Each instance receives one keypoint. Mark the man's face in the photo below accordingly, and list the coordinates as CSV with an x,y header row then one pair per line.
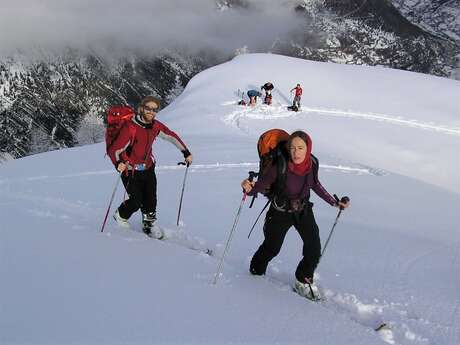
x,y
149,111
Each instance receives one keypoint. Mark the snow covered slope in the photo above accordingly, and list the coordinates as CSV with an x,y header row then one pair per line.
x,y
388,139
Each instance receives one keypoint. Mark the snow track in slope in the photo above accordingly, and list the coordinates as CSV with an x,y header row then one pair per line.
x,y
356,169
265,112
391,321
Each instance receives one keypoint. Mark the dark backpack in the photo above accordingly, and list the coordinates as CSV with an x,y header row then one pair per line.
x,y
273,150
117,116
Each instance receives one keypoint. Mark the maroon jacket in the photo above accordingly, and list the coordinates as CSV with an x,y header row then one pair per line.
x,y
297,187
134,143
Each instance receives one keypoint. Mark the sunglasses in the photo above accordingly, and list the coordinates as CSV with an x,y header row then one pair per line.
x,y
151,109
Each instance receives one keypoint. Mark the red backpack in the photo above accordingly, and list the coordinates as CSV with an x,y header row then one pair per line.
x,y
117,116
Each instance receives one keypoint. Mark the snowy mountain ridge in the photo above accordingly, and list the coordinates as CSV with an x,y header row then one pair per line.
x,y
67,90
393,257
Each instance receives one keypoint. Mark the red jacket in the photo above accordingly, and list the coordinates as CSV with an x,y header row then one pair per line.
x,y
298,91
134,143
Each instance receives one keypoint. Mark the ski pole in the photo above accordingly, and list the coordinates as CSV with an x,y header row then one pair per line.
x,y
250,232
183,187
254,174
345,200
111,200
219,268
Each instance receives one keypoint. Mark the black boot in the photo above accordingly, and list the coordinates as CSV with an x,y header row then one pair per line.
x,y
148,220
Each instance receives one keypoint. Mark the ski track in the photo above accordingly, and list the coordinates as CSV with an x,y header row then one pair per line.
x,y
264,112
400,325
172,237
361,170
368,315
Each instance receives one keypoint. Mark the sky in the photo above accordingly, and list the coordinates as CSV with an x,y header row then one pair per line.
x,y
142,25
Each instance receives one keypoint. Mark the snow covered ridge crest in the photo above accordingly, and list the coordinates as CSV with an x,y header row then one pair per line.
x,y
415,106
350,32
393,258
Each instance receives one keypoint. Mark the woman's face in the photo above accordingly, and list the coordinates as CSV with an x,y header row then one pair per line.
x,y
298,150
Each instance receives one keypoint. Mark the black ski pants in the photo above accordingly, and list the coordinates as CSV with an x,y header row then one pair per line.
x,y
277,224
141,187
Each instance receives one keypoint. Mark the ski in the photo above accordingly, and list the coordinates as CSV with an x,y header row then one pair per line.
x,y
380,327
383,326
158,233
312,299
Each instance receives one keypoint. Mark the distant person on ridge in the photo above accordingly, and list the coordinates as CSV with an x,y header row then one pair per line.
x,y
253,94
268,88
297,96
290,206
131,153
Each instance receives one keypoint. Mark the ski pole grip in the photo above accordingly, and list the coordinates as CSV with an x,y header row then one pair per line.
x,y
344,200
252,174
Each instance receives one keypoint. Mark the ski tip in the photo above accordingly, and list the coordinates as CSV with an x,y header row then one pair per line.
x,y
381,327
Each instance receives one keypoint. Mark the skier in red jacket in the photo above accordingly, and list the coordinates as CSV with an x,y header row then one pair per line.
x,y
131,153
297,96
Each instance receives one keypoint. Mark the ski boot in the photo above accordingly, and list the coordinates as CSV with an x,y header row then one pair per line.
x,y
120,220
148,226
308,289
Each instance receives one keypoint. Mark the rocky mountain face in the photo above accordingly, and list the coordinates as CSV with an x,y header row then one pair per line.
x,y
441,17
372,32
59,100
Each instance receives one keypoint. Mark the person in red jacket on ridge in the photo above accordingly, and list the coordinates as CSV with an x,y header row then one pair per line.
x,y
297,96
131,153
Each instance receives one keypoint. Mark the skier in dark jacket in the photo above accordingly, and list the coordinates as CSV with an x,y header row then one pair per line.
x,y
268,88
131,153
291,207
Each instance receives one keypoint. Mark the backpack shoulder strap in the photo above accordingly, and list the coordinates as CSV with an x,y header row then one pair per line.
x,y
281,159
315,166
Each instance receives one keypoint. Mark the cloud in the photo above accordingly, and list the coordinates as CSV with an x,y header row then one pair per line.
x,y
143,25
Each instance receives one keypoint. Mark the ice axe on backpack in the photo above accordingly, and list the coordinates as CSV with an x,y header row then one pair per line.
x,y
252,174
183,187
344,200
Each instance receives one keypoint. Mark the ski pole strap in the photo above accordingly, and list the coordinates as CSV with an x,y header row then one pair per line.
x,y
250,232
